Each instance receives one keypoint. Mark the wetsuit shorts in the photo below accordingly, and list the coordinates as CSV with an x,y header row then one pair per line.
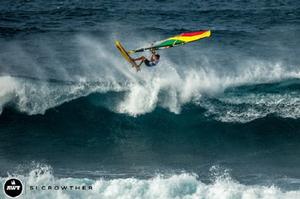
x,y
149,63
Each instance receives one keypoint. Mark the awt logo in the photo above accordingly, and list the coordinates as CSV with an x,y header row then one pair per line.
x,y
13,187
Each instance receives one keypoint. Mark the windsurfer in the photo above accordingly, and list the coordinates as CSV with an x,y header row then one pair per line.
x,y
154,59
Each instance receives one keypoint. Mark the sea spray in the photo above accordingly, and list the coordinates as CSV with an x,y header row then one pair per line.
x,y
181,186
170,85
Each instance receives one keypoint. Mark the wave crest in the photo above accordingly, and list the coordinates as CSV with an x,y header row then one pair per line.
x,y
185,186
170,85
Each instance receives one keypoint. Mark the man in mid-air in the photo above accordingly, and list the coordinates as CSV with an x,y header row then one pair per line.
x,y
154,59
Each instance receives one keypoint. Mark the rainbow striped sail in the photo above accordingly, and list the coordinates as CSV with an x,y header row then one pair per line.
x,y
181,39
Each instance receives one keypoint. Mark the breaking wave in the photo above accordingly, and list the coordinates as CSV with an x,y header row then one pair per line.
x,y
184,185
169,86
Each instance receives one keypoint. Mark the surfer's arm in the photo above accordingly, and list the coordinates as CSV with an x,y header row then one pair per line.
x,y
153,54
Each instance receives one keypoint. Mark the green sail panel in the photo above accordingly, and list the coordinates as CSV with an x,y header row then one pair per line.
x,y
168,43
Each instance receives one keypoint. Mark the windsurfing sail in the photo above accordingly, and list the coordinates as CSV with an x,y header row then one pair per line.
x,y
181,39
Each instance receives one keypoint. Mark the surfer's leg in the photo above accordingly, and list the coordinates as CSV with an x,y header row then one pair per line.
x,y
139,58
142,58
140,63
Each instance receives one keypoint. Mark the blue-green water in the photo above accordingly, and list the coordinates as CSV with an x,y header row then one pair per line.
x,y
219,116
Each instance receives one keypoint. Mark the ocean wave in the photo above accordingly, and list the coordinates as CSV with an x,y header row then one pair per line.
x,y
240,106
170,91
184,185
35,97
171,85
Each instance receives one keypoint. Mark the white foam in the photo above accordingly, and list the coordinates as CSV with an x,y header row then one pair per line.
x,y
169,88
8,87
168,85
251,106
35,97
185,186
